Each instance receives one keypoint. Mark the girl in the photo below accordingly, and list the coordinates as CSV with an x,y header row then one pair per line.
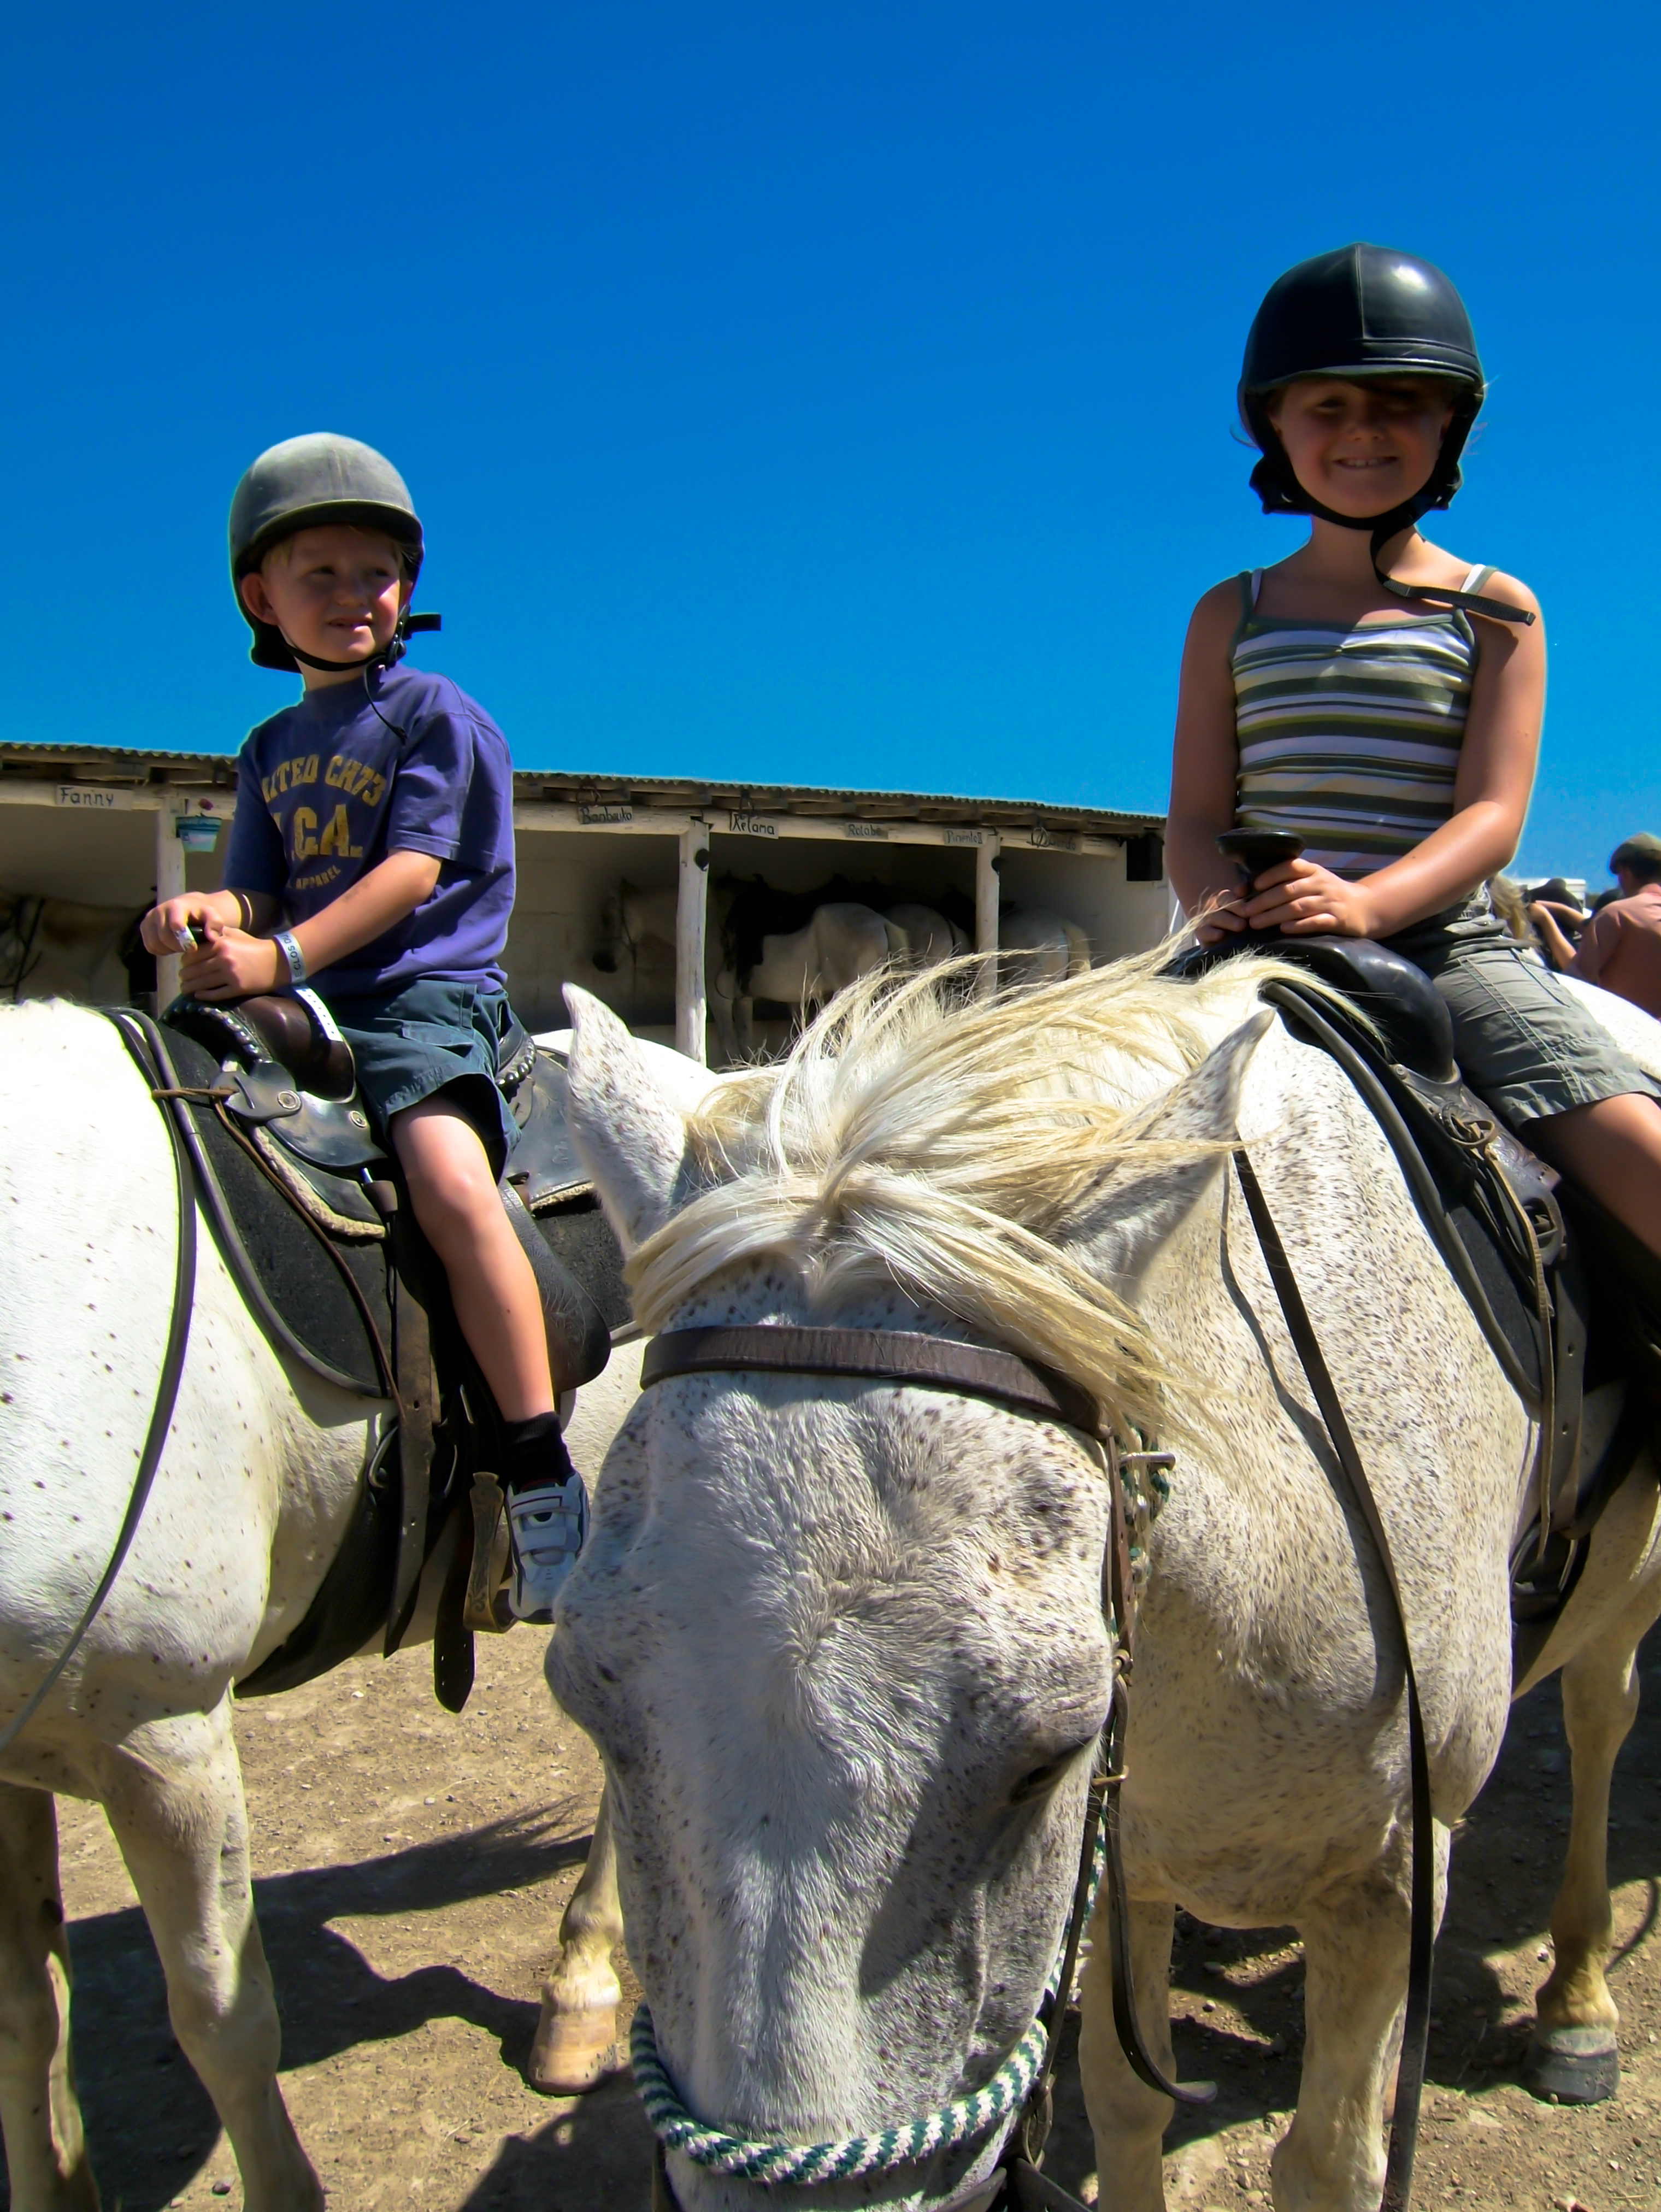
x,y
1399,741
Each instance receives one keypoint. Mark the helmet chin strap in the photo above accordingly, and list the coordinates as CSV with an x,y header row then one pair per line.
x,y
1274,474
1386,527
388,656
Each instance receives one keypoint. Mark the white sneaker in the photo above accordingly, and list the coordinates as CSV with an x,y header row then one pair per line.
x,y
547,1525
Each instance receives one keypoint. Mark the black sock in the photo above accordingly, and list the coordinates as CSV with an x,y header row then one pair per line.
x,y
533,1452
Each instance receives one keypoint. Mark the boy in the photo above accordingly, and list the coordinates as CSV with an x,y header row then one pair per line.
x,y
371,858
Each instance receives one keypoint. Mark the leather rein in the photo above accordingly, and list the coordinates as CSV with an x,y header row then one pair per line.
x,y
911,1360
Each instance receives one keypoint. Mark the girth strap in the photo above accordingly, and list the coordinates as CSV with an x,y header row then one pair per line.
x,y
875,1355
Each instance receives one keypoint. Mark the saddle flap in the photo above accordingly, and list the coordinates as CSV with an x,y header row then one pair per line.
x,y
319,1129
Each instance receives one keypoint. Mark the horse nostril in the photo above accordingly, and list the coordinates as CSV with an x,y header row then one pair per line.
x,y
606,963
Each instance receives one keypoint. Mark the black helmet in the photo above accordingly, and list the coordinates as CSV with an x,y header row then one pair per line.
x,y
1364,311
305,482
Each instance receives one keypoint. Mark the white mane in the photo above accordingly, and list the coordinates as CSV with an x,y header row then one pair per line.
x,y
917,1137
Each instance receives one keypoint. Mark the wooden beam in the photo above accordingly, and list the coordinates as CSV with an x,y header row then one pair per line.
x,y
691,927
986,912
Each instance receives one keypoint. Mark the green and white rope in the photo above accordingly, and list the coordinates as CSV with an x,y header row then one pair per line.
x,y
773,2164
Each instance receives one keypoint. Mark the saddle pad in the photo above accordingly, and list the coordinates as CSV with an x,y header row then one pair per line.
x,y
544,1166
285,1252
579,1236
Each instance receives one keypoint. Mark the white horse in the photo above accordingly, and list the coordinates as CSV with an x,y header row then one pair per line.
x,y
840,941
841,1644
1040,947
251,1499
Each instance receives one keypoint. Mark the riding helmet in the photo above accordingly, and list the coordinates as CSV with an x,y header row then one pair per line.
x,y
1364,311
305,482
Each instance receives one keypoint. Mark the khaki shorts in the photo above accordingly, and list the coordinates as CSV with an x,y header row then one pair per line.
x,y
1523,1042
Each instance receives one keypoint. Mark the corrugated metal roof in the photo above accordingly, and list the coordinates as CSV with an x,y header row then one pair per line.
x,y
134,766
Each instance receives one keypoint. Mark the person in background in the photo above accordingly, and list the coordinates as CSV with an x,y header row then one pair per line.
x,y
1506,895
1620,947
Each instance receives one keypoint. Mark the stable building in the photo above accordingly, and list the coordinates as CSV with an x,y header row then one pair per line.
x,y
90,835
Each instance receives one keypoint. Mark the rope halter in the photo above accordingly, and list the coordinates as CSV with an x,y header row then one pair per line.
x,y
775,2164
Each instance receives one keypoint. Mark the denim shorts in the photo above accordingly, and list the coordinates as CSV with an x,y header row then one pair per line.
x,y
1523,1041
428,1037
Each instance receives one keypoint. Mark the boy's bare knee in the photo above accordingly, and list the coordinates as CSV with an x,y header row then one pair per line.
x,y
449,1191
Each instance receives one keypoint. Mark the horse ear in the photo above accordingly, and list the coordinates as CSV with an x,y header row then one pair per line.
x,y
629,1133
1205,1106
1125,1222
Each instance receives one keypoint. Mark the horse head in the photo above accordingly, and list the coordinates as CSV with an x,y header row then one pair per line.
x,y
841,1642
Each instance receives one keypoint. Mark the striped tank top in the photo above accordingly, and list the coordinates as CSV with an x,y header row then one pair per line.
x,y
1351,737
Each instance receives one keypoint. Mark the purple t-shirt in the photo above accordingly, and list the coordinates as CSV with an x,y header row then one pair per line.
x,y
326,789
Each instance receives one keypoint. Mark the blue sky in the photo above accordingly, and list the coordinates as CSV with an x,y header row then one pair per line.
x,y
839,396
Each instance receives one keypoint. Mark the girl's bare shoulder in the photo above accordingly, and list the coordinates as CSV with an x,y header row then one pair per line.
x,y
1448,569
1511,589
1217,612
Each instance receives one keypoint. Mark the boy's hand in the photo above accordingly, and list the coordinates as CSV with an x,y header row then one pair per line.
x,y
167,928
231,964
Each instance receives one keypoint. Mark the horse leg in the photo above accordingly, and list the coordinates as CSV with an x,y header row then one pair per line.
x,y
40,2116
1573,2054
1356,1954
578,2022
1127,2119
177,1809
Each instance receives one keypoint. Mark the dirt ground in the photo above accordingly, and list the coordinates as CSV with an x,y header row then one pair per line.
x,y
412,1868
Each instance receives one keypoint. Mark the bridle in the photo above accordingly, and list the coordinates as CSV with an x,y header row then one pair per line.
x,y
906,1359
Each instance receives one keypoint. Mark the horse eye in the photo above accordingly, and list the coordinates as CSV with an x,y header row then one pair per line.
x,y
1045,1777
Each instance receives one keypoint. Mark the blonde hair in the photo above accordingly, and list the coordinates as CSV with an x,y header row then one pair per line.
x,y
1510,906
920,1137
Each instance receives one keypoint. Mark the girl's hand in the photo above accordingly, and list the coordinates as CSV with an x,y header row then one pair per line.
x,y
1219,919
231,964
165,929
1301,900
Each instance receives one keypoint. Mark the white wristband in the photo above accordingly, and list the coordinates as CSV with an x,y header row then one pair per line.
x,y
289,945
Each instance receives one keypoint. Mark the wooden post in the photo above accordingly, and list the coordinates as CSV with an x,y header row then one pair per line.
x,y
691,919
169,883
985,908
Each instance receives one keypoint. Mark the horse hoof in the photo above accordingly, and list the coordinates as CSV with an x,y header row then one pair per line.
x,y
572,2049
1572,2065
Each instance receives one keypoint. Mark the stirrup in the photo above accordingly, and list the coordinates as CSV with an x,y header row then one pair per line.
x,y
485,1608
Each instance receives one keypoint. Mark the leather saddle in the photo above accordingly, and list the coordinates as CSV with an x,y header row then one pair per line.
x,y
312,1213
1568,1300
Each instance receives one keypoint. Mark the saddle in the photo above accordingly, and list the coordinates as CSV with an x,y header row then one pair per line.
x,y
312,1217
1567,1298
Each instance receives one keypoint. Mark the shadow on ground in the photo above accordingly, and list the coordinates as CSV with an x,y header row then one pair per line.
x,y
599,2152
1507,1860
148,2117
153,2129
